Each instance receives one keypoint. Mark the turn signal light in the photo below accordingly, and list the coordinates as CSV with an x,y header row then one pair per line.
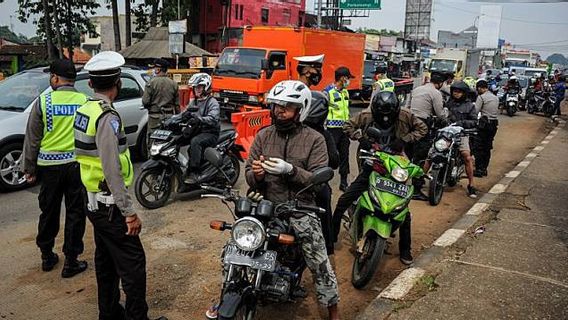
x,y
286,239
217,225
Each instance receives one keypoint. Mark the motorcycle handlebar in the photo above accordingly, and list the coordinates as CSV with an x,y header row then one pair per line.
x,y
213,189
312,209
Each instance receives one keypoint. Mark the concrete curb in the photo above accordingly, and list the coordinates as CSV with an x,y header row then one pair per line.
x,y
387,299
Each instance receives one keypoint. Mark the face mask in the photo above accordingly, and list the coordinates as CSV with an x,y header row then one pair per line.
x,y
283,126
315,78
346,83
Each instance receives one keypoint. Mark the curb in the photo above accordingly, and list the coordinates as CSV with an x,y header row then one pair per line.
x,y
382,305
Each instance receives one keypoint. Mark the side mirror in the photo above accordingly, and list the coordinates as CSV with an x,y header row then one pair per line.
x,y
321,175
213,157
374,133
264,64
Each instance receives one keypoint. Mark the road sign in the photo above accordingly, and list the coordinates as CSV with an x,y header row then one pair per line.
x,y
176,43
360,4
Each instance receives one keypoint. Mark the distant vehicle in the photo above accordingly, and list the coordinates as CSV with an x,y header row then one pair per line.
x,y
460,62
20,91
402,86
533,72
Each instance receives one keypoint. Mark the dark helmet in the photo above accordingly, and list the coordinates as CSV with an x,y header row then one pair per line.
x,y
385,109
460,86
482,83
318,111
437,77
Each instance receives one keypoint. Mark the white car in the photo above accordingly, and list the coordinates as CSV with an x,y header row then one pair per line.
x,y
20,91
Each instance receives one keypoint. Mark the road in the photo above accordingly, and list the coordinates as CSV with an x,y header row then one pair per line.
x,y
183,253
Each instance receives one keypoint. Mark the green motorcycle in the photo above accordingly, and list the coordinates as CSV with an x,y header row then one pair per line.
x,y
381,210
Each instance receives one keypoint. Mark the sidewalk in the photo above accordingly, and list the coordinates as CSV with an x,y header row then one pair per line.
x,y
518,267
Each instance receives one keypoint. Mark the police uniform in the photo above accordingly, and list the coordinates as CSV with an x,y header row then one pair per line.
x,y
106,172
49,154
161,98
488,105
382,84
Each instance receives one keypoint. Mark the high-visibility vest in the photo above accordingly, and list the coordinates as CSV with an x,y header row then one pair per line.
x,y
385,84
86,151
338,112
58,109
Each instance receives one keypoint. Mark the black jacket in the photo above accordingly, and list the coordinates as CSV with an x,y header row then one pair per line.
x,y
463,113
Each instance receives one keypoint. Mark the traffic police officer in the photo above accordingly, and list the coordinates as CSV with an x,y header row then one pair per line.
x,y
309,69
161,97
337,116
48,153
106,172
488,104
383,82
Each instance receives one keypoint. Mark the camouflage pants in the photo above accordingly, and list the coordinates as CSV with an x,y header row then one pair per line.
x,y
308,231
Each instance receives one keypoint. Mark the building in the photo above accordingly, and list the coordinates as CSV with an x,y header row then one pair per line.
x,y
465,39
103,38
15,58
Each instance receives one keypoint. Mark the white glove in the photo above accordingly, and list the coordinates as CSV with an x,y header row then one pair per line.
x,y
255,196
277,166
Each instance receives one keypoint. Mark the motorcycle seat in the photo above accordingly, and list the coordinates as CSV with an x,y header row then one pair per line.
x,y
226,135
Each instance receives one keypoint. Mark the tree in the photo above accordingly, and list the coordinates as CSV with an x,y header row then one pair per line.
x,y
128,25
47,28
116,25
7,34
382,32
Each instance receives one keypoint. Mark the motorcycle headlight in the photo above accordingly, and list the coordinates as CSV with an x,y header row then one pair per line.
x,y
168,152
442,145
400,174
155,148
511,103
248,233
253,99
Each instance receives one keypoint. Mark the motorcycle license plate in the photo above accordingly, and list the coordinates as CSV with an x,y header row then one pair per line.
x,y
395,188
161,134
262,260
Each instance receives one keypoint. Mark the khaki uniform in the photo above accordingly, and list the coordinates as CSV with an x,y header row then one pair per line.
x,y
161,98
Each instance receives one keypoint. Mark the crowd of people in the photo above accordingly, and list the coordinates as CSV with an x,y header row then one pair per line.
x,y
82,155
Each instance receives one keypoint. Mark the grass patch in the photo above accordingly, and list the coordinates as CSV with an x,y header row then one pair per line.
x,y
429,282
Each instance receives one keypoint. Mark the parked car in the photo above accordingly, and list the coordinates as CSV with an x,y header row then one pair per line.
x,y
20,91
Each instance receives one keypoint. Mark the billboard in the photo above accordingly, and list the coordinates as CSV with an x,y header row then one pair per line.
x,y
489,26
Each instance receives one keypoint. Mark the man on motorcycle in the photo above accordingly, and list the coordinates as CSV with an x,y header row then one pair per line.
x,y
461,112
400,127
281,161
202,115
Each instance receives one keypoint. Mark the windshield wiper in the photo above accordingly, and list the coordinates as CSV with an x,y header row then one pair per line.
x,y
11,108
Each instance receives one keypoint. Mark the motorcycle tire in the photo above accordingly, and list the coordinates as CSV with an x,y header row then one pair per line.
x,y
160,197
510,112
243,313
237,167
363,271
436,188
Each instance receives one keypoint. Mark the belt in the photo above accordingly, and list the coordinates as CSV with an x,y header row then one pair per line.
x,y
94,198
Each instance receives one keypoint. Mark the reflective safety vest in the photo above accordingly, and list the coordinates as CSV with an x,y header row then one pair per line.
x,y
338,112
470,81
385,84
86,121
57,110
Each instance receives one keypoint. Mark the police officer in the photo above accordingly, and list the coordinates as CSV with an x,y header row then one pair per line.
x,y
488,104
106,172
161,96
310,69
383,82
336,118
48,154
426,102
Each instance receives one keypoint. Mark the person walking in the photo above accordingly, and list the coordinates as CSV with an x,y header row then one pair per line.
x,y
488,104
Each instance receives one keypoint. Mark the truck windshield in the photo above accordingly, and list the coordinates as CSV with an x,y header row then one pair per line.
x,y
240,63
443,65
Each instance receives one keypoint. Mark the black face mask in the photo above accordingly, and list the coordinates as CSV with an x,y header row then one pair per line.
x,y
284,126
315,78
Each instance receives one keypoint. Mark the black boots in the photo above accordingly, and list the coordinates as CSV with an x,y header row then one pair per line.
x,y
48,260
73,267
343,184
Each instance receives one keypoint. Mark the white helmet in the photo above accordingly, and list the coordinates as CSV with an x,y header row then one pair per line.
x,y
291,92
200,79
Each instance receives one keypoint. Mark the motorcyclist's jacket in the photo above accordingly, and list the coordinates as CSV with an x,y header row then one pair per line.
x,y
338,106
207,111
560,90
303,147
463,113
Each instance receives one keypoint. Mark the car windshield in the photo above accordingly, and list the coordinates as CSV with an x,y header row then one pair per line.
x,y
443,65
532,73
369,69
240,63
20,90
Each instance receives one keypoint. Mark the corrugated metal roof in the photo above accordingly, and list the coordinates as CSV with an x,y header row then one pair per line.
x,y
156,45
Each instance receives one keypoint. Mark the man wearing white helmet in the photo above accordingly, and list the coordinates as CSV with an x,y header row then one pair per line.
x,y
106,172
281,161
203,116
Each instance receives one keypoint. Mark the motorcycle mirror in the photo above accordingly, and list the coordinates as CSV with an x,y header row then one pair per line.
x,y
213,157
322,175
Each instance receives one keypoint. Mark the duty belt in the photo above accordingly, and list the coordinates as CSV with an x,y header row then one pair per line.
x,y
94,198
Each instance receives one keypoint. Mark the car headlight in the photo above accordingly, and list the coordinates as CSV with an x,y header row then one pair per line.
x,y
155,148
248,233
400,174
216,95
442,145
253,99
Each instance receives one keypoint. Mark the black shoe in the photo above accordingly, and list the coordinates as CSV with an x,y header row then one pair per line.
x,y
343,184
191,178
406,258
484,173
420,196
478,174
471,192
73,267
49,260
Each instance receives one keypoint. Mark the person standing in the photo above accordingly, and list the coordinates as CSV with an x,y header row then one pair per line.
x,y
106,173
559,93
383,83
48,153
161,97
488,104
336,118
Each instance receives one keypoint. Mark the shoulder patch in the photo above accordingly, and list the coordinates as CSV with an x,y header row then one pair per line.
x,y
115,124
81,122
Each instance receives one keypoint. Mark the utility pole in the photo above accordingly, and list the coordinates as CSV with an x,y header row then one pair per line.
x,y
320,2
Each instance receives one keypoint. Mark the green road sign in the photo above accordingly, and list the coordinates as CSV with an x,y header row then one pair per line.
x,y
360,4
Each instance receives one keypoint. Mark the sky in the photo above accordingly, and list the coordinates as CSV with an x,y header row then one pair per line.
x,y
540,26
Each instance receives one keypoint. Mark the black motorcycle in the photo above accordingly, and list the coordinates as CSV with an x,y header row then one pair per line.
x,y
166,167
447,166
544,102
262,263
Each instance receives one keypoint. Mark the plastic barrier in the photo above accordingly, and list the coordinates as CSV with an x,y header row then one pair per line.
x,y
184,96
247,124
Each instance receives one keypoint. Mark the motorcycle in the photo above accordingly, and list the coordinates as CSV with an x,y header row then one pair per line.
x,y
262,262
166,167
447,165
511,102
380,210
544,103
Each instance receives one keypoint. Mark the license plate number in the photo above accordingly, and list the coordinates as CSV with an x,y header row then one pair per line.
x,y
262,260
160,134
395,188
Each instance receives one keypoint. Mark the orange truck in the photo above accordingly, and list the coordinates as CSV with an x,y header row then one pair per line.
x,y
264,57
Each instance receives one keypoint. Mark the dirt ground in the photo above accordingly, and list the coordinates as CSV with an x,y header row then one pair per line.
x,y
183,253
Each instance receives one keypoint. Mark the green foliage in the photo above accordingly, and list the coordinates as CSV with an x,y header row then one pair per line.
x,y
7,34
382,32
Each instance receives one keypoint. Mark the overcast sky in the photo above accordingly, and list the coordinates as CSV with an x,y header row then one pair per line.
x,y
540,26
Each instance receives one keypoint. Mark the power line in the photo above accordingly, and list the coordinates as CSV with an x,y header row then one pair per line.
x,y
539,43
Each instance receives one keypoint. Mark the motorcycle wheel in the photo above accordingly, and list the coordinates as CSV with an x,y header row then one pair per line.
x,y
510,111
146,188
436,188
237,167
365,265
243,313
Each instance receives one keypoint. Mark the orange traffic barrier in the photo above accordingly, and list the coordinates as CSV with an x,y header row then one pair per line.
x,y
247,124
184,96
